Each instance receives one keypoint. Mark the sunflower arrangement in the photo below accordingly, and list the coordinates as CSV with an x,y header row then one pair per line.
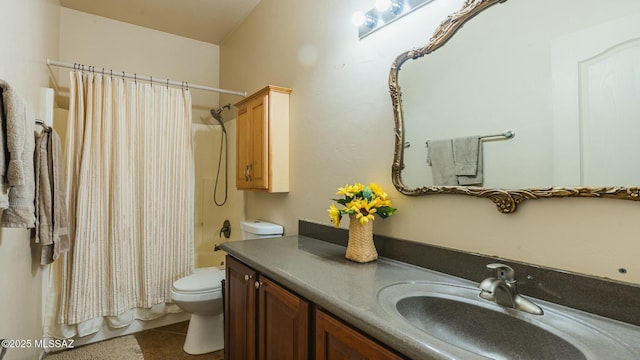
x,y
362,201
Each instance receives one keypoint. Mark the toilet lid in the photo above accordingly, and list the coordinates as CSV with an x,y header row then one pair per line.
x,y
200,281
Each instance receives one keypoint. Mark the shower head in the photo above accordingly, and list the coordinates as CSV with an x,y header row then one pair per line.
x,y
217,113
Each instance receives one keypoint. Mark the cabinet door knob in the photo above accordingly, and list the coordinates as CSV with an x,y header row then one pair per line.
x,y
247,277
258,284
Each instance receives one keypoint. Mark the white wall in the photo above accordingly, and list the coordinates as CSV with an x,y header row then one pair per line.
x,y
30,35
114,45
342,132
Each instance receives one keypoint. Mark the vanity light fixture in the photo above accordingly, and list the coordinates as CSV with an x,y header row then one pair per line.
x,y
384,12
389,5
361,19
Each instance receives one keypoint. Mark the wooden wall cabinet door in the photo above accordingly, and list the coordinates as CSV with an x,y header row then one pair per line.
x,y
263,320
336,340
262,143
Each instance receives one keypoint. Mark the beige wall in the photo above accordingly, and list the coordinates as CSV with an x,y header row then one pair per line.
x,y
93,40
30,35
102,42
342,132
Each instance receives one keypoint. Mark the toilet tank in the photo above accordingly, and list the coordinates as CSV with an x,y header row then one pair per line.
x,y
257,229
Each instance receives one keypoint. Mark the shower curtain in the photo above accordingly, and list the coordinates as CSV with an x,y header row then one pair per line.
x,y
130,197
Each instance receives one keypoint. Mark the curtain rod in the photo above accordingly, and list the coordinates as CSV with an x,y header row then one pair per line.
x,y
122,74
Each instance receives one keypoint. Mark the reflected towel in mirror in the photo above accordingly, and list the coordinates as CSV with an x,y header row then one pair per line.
x,y
467,158
440,158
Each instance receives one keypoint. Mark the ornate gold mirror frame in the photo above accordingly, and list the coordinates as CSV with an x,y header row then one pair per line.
x,y
505,200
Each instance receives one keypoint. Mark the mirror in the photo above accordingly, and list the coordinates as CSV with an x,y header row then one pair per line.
x,y
563,76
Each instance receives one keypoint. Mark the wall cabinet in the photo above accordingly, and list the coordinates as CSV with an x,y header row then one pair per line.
x,y
262,143
262,320
265,321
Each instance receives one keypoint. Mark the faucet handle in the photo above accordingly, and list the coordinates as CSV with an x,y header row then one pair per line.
x,y
503,271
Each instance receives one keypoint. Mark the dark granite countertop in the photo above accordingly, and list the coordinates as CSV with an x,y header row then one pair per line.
x,y
317,271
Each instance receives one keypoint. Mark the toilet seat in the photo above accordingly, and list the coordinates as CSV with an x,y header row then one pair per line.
x,y
199,286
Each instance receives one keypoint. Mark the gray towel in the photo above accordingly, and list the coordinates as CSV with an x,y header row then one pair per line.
x,y
19,131
4,156
467,156
51,229
441,160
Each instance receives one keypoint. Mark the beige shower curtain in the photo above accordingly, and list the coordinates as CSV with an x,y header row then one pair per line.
x,y
130,196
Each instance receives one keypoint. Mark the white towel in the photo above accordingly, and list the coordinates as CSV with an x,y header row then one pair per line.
x,y
440,158
467,156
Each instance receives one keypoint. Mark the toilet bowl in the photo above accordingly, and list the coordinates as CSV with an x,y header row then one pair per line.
x,y
201,295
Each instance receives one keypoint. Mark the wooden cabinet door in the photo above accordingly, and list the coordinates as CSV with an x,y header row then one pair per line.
x,y
283,325
252,159
243,143
240,312
259,147
337,341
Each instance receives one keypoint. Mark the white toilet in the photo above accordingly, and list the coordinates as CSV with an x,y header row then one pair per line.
x,y
201,295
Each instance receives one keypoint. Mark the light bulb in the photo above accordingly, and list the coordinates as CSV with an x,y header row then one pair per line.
x,y
358,18
383,5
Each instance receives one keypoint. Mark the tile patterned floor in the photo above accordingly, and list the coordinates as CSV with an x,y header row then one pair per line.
x,y
166,343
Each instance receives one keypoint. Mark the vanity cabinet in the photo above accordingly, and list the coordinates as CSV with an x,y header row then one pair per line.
x,y
262,320
240,311
336,340
265,321
262,142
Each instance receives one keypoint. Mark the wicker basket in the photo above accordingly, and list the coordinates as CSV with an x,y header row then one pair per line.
x,y
360,247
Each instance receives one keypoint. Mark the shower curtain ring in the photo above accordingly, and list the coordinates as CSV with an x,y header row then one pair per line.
x,y
187,85
167,83
135,78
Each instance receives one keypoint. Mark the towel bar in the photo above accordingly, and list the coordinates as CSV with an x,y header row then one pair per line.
x,y
509,134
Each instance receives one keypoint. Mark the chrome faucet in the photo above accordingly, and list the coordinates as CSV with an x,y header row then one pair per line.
x,y
502,290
